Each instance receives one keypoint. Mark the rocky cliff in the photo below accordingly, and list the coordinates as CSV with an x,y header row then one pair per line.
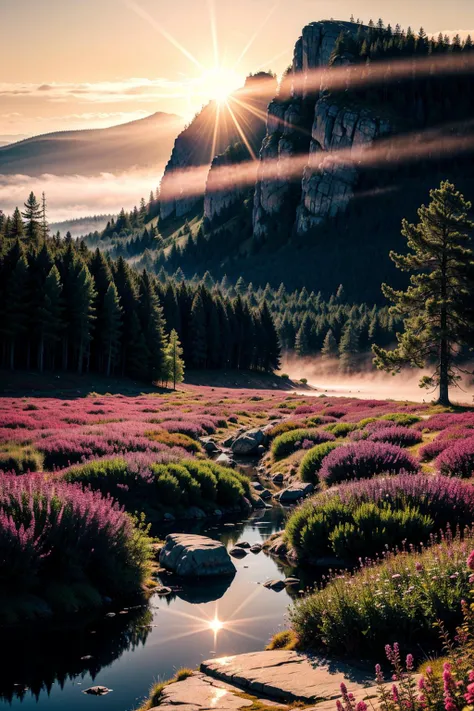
x,y
304,133
213,131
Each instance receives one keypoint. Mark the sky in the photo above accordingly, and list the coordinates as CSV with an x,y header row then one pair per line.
x,y
70,64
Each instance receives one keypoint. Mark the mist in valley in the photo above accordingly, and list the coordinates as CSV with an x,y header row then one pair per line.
x,y
325,378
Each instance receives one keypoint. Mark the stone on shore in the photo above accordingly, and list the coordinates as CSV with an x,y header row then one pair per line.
x,y
97,691
288,676
249,442
295,493
238,552
191,555
276,585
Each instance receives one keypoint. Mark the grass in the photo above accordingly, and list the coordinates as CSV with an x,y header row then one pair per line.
x,y
157,689
286,639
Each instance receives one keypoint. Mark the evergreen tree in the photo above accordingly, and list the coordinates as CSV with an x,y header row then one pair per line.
x,y
111,323
48,314
198,333
437,311
15,320
152,323
329,349
33,218
349,348
174,360
16,229
83,314
271,351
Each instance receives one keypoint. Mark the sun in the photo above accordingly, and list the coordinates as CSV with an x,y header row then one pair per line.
x,y
217,83
216,624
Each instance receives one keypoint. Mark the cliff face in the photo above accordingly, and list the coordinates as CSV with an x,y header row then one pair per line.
x,y
309,127
204,143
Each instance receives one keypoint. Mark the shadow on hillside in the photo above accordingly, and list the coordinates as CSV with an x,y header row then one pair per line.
x,y
70,385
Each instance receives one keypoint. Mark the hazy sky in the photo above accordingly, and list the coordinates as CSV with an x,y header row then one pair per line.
x,y
87,63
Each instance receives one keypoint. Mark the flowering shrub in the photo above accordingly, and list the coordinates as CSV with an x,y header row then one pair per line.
x,y
363,460
286,443
363,518
313,460
457,460
400,597
54,532
401,436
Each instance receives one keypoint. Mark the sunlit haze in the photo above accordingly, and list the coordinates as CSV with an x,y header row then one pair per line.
x,y
97,63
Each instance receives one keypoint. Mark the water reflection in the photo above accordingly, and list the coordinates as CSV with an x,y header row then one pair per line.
x,y
128,652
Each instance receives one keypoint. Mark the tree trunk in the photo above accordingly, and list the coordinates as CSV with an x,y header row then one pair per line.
x,y
41,354
444,374
12,355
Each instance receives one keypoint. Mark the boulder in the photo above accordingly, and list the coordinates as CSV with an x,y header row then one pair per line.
x,y
257,485
276,585
163,591
278,478
248,443
295,493
256,548
242,544
265,494
290,582
191,555
210,447
97,690
258,503
237,552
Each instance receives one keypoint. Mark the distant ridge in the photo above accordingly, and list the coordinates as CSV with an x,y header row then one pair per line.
x,y
144,143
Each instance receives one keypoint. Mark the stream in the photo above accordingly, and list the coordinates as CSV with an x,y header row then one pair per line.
x,y
128,652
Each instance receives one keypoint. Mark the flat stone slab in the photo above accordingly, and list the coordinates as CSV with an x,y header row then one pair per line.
x,y
202,693
190,555
288,676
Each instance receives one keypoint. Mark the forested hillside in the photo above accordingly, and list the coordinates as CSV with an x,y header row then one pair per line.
x,y
64,307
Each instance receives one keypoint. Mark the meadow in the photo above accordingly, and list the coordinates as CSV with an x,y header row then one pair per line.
x,y
82,478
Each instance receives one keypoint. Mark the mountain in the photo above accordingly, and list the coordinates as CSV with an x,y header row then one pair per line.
x,y
367,120
145,143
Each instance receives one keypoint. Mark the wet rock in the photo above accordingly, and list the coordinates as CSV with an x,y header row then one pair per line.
x,y
210,446
278,478
97,690
249,442
290,582
110,614
257,485
163,591
295,493
86,657
259,503
242,544
256,548
224,460
276,585
237,552
191,555
229,441
266,494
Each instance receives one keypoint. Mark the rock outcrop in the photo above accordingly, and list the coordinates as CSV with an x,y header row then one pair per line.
x,y
307,173
215,131
198,556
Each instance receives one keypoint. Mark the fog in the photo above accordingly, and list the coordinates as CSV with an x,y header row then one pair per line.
x,y
77,196
324,379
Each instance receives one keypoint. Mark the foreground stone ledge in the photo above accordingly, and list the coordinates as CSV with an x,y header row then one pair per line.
x,y
288,676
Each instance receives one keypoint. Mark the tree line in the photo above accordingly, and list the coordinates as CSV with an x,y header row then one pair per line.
x,y
63,306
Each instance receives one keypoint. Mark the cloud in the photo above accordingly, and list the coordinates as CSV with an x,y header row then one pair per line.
x,y
80,196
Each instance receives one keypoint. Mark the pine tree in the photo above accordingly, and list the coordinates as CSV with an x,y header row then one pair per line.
x,y
15,320
152,323
48,314
329,349
33,218
437,311
303,337
17,228
83,315
174,359
198,333
270,343
349,348
111,324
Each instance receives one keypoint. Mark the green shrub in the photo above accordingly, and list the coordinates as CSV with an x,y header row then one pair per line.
x,y
401,418
282,427
304,381
229,490
284,376
341,429
312,461
20,460
168,490
399,599
285,444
